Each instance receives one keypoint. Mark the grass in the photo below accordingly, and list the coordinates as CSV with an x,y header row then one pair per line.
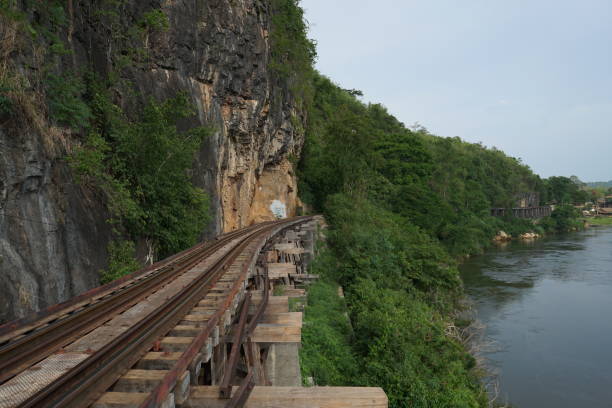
x,y
296,304
599,220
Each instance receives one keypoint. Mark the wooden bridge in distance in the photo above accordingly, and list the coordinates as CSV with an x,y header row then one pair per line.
x,y
523,212
526,205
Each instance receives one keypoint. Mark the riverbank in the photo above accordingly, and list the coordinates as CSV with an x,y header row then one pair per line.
x,y
597,221
396,324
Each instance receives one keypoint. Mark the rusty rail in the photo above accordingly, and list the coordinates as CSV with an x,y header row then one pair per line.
x,y
242,393
243,330
247,384
32,322
16,355
232,362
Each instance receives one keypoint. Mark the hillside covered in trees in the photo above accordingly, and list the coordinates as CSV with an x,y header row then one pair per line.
x,y
403,206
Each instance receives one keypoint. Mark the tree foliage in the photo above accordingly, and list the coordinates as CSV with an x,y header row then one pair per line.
x,y
292,52
565,190
443,185
563,219
402,204
65,98
121,260
144,167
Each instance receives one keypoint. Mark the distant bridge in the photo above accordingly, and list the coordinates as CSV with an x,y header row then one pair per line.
x,y
523,212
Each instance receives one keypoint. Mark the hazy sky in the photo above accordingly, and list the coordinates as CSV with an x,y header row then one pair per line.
x,y
531,77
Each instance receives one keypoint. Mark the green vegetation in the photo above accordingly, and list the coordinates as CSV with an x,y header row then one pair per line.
x,y
155,20
293,53
143,166
401,288
442,185
37,28
121,260
140,160
65,100
598,220
327,354
563,219
564,190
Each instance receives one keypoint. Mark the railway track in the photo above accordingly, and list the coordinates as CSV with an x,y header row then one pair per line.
x,y
73,354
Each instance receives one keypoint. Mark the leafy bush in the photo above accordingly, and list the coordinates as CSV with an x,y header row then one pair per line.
x,y
65,99
405,350
155,158
563,219
326,354
399,285
88,161
155,20
121,261
143,166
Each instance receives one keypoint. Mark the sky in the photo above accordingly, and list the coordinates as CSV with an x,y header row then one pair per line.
x,y
530,77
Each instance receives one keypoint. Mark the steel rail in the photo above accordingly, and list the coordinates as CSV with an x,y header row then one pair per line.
x,y
246,386
262,305
230,368
23,352
83,384
242,393
35,320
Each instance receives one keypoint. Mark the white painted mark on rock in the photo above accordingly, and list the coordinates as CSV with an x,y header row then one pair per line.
x,y
279,209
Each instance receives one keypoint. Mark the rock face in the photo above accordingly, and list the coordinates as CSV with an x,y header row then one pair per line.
x,y
219,51
53,232
529,236
502,236
50,228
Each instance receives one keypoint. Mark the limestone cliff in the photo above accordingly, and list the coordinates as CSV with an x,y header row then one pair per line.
x,y
53,232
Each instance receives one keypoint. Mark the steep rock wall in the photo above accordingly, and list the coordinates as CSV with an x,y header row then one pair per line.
x,y
53,232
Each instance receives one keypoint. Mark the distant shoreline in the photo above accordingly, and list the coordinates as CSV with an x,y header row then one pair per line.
x,y
598,221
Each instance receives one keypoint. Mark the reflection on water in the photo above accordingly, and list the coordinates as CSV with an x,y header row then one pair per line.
x,y
548,305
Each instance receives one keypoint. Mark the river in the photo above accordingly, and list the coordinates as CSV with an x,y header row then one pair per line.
x,y
547,307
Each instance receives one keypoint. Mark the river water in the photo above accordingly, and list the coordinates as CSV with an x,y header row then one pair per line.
x,y
547,308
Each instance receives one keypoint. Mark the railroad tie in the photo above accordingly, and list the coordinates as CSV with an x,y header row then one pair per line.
x,y
173,344
139,380
158,360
